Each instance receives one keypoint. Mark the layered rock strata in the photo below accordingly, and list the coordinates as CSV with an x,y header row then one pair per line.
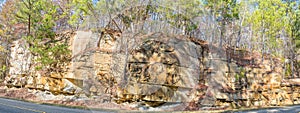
x,y
157,68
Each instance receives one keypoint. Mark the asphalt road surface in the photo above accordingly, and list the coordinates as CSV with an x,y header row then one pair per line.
x,y
15,106
286,109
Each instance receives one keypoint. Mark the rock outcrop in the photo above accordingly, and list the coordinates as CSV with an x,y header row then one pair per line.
x,y
157,68
22,71
20,61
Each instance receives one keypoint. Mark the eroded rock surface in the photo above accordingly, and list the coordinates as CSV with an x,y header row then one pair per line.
x,y
20,61
157,68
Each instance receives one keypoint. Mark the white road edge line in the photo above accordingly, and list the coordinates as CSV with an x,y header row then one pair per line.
x,y
38,111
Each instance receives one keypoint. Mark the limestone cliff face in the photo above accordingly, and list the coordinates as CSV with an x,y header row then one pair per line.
x,y
20,61
157,68
163,70
22,71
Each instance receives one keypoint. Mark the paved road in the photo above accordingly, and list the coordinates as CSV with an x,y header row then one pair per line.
x,y
288,109
15,106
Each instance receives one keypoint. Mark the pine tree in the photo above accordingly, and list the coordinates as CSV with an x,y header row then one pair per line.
x,y
40,18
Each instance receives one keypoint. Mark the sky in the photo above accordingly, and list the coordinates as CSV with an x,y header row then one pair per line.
x,y
2,2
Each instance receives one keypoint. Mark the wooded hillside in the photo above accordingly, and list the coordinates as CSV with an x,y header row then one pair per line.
x,y
251,37
270,27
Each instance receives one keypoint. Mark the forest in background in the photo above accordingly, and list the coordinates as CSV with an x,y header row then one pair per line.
x,y
270,27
